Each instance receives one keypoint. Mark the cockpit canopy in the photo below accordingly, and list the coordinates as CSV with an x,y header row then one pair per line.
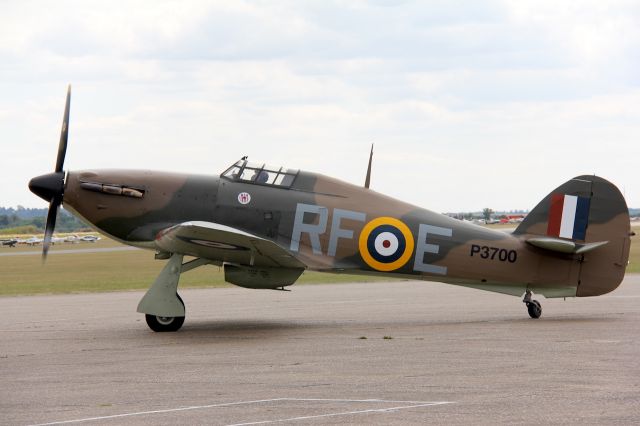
x,y
261,174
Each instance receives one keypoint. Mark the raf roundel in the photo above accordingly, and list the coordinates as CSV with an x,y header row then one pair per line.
x,y
386,244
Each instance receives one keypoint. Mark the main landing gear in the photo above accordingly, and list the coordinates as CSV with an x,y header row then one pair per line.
x,y
163,307
533,306
159,323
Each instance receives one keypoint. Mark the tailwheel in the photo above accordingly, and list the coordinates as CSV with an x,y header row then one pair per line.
x,y
535,309
533,306
161,324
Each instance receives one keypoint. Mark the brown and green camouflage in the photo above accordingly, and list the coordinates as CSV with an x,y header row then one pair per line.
x,y
332,226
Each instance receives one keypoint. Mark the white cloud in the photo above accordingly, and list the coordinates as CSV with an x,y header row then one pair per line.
x,y
470,104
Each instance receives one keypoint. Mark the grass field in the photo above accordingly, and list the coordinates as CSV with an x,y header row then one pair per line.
x,y
131,270
109,271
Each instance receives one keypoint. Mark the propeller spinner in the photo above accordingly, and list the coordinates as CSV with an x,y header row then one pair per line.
x,y
50,187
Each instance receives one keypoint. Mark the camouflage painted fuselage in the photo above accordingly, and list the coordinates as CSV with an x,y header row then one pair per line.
x,y
333,226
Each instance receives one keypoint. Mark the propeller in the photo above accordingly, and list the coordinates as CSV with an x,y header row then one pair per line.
x,y
50,187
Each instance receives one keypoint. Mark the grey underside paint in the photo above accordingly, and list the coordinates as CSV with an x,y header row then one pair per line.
x,y
519,289
162,298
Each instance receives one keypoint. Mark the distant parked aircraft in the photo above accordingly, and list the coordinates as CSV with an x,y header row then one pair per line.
x,y
34,241
71,239
57,240
11,242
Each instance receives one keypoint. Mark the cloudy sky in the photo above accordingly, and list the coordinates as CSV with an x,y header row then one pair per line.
x,y
470,104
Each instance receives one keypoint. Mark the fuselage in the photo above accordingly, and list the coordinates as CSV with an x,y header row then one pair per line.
x,y
330,225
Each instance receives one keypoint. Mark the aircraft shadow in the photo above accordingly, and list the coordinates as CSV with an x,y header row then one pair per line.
x,y
237,329
268,329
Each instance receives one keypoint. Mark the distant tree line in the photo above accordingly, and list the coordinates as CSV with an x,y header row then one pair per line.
x,y
22,212
488,213
32,219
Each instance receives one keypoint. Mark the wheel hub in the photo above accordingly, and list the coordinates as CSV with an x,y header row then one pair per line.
x,y
165,320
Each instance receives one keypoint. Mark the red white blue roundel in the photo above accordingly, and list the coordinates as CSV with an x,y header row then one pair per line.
x,y
244,198
386,244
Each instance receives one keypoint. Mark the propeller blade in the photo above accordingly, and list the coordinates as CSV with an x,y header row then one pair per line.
x,y
49,227
64,134
50,187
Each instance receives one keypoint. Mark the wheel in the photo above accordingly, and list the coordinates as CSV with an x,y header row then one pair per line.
x,y
535,309
162,324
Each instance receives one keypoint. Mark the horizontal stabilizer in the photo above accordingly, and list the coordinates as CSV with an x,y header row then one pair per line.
x,y
563,246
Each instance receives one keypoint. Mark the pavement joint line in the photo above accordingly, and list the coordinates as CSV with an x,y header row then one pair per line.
x,y
413,404
168,410
361,400
344,413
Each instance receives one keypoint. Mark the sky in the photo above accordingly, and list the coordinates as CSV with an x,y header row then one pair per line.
x,y
469,104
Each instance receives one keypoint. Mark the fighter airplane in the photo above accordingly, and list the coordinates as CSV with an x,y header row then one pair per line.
x,y
266,225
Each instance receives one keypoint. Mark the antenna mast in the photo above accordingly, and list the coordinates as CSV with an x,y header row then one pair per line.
x,y
367,180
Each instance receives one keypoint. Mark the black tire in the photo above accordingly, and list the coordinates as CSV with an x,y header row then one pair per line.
x,y
535,309
162,324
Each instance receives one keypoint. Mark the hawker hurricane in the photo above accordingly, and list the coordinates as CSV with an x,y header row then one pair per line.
x,y
265,225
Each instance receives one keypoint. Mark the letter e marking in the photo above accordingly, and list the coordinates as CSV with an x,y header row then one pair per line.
x,y
422,248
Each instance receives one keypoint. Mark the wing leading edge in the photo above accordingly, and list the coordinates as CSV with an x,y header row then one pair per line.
x,y
224,244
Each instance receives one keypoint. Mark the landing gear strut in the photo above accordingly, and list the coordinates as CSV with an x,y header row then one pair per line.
x,y
533,306
163,308
161,305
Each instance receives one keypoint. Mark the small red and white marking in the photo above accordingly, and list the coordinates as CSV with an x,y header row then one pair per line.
x,y
244,198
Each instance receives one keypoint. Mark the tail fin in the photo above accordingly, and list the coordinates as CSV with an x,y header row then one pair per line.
x,y
586,217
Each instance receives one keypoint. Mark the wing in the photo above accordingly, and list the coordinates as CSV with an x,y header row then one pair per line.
x,y
224,244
